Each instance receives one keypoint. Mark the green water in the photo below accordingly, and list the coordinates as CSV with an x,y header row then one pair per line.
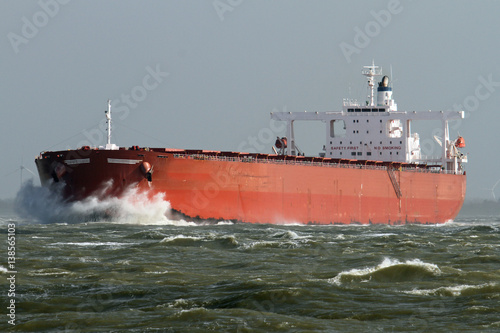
x,y
164,276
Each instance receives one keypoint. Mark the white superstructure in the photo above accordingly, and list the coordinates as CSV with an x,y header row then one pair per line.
x,y
377,131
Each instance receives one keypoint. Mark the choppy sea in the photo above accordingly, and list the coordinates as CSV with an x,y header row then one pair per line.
x,y
138,271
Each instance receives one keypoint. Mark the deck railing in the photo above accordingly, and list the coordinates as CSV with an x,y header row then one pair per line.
x,y
321,163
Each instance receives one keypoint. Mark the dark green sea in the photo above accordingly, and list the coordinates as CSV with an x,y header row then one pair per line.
x,y
77,271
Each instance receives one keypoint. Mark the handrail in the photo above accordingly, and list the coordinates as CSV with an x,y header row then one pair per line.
x,y
329,163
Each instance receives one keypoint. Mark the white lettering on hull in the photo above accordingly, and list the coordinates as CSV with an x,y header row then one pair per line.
x,y
77,161
123,161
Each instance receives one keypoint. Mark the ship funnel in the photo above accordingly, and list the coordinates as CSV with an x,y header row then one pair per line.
x,y
384,94
384,82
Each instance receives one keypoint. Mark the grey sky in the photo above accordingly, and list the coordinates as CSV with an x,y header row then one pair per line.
x,y
229,64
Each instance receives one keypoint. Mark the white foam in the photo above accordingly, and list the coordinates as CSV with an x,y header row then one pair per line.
x,y
48,206
451,290
176,237
49,272
157,272
387,262
280,244
288,234
225,223
134,207
92,244
87,259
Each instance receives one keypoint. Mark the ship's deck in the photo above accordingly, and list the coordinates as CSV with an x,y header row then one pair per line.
x,y
199,154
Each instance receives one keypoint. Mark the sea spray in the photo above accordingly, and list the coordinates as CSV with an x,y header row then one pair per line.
x,y
47,205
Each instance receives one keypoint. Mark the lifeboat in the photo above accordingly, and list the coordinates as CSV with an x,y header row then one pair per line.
x,y
460,142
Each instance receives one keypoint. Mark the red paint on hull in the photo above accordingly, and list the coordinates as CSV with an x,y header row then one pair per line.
x,y
262,189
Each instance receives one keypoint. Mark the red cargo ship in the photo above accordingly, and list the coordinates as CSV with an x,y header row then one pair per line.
x,y
370,171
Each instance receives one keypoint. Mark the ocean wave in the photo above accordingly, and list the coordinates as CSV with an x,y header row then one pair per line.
x,y
458,290
157,272
208,240
93,244
50,272
390,270
289,234
270,244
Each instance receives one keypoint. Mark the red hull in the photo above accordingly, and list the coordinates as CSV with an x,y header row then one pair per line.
x,y
263,188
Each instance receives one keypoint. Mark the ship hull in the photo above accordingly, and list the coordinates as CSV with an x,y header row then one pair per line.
x,y
259,188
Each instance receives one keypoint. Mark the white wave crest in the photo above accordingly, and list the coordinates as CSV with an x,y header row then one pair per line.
x,y
366,274
456,290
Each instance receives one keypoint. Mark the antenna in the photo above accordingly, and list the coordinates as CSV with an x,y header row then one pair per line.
x,y
392,85
108,121
370,72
